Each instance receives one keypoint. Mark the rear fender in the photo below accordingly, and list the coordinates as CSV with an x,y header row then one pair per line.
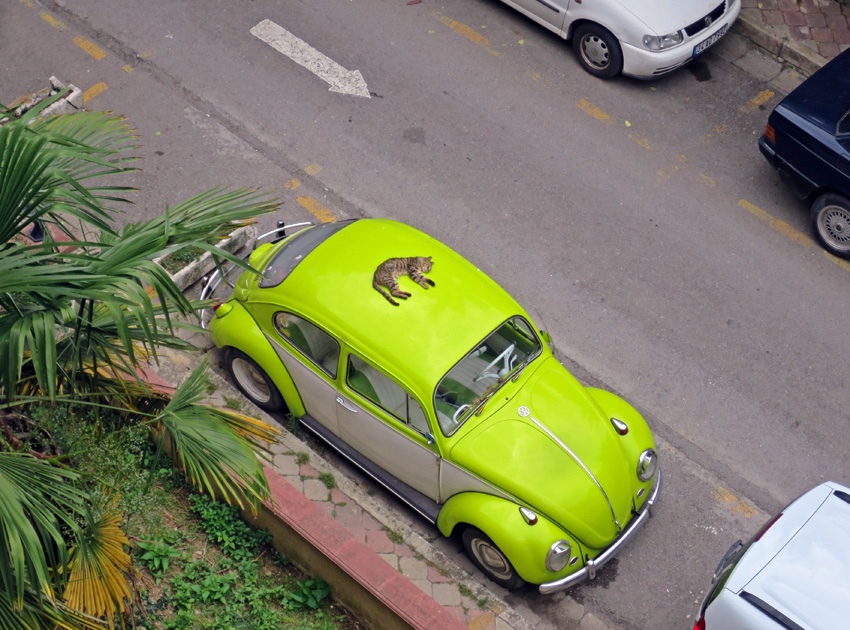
x,y
241,332
525,545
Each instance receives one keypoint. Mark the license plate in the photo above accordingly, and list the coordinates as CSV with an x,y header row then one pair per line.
x,y
708,43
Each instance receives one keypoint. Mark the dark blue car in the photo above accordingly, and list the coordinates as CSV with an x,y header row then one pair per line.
x,y
807,140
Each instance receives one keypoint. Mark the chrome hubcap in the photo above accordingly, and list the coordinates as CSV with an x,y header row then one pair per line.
x,y
251,380
490,556
595,51
834,226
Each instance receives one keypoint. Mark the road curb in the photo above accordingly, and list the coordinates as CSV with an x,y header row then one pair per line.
x,y
767,38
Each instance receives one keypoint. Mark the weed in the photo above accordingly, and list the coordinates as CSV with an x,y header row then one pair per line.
x,y
155,556
233,402
181,258
302,458
310,594
394,536
328,479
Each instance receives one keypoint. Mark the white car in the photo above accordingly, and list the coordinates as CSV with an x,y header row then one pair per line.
x,y
793,575
640,38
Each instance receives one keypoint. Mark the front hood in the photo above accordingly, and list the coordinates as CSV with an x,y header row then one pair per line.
x,y
522,455
668,16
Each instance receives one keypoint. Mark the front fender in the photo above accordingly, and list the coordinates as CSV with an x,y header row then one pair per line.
x,y
238,329
525,545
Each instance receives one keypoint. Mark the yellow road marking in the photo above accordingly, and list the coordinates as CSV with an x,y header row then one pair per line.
x,y
292,184
705,179
777,224
148,53
90,47
717,130
838,261
94,90
589,108
753,104
128,68
29,3
663,175
313,169
733,503
539,78
316,209
646,144
470,33
57,24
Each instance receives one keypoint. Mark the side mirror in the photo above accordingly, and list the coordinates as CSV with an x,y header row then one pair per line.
x,y
546,336
429,439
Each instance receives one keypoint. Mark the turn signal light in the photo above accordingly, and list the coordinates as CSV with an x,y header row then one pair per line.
x,y
700,624
767,526
222,309
770,134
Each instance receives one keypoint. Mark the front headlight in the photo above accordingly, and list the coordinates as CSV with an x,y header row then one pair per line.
x,y
558,556
647,464
662,42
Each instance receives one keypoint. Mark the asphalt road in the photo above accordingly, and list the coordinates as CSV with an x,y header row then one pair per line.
x,y
635,220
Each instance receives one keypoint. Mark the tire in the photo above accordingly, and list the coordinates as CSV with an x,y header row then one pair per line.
x,y
598,51
490,559
253,381
831,222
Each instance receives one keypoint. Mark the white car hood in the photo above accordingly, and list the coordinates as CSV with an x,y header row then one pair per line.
x,y
809,579
668,16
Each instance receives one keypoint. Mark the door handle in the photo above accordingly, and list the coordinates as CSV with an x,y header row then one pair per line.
x,y
342,401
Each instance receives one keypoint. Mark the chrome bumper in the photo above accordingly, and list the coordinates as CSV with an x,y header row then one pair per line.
x,y
592,566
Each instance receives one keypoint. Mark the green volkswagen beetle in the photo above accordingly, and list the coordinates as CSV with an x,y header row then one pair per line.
x,y
451,399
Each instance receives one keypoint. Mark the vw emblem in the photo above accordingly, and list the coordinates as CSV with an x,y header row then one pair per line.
x,y
707,21
523,411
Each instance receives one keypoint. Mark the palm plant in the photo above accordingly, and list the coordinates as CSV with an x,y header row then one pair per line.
x,y
81,312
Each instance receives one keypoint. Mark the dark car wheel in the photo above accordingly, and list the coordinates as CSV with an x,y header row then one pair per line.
x,y
253,381
831,219
490,559
598,51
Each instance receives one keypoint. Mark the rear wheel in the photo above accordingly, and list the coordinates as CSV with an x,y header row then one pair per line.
x,y
831,219
598,51
253,381
490,559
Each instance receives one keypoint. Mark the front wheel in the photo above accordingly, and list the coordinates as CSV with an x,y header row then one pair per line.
x,y
253,381
598,51
490,559
831,219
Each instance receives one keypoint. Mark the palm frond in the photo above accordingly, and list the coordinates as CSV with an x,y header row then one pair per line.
x,y
100,567
37,612
206,444
38,500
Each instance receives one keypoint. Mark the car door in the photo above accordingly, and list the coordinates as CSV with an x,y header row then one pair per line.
x,y
311,356
385,423
549,13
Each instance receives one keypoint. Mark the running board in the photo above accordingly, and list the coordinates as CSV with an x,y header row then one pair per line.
x,y
425,507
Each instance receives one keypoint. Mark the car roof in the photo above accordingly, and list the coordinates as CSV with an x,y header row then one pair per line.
x,y
808,578
417,341
824,98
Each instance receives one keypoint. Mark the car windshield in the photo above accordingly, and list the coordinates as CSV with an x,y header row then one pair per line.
x,y
296,248
490,364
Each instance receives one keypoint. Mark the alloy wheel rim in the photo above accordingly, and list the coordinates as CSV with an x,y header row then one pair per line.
x,y
834,226
489,556
595,51
251,380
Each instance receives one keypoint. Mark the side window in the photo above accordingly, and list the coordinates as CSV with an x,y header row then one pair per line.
x,y
386,393
318,345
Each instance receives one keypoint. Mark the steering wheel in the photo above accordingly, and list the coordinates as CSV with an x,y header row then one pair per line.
x,y
458,413
505,357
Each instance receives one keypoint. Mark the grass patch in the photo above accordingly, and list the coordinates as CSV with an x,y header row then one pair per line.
x,y
180,259
201,567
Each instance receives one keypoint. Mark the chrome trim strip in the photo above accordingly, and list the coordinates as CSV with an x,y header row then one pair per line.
x,y
592,566
566,448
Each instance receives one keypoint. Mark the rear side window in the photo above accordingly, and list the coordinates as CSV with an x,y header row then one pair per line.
x,y
314,342
296,248
373,384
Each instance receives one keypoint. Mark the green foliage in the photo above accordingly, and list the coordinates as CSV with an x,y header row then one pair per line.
x,y
155,556
176,261
225,527
233,402
310,594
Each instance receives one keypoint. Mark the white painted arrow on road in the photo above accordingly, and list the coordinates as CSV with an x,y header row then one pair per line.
x,y
341,80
